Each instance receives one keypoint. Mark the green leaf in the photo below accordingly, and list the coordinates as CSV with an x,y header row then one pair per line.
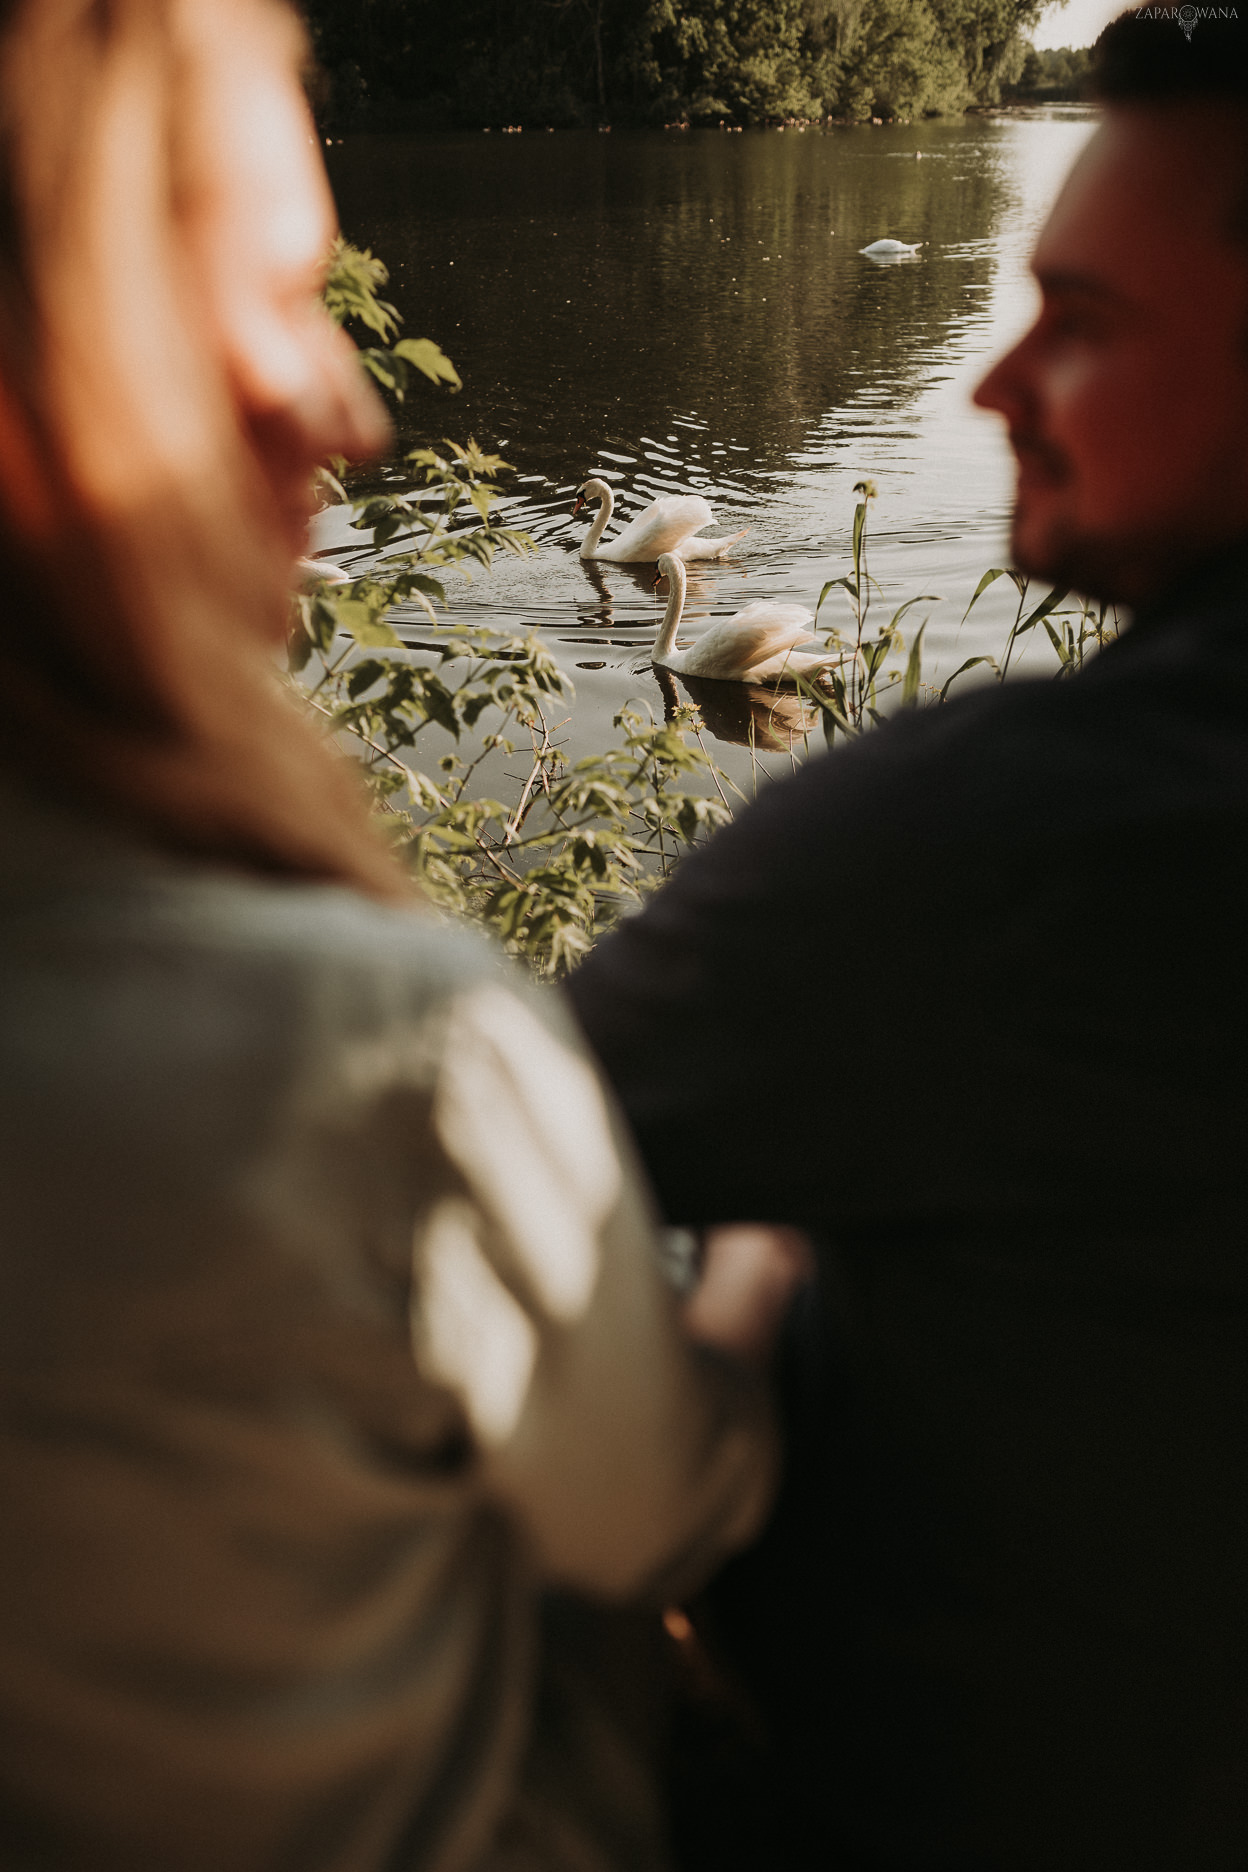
x,y
873,655
990,577
440,704
962,669
298,648
834,711
860,524
430,360
351,289
363,675
1064,651
914,670
923,598
408,582
1058,594
849,584
361,621
320,617
379,366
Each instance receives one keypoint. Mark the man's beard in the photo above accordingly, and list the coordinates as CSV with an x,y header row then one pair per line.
x,y
1094,568
1127,568
1128,572
1064,555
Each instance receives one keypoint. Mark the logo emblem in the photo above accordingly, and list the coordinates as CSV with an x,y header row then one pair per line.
x,y
1188,16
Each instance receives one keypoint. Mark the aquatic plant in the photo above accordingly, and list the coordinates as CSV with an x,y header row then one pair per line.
x,y
851,689
1072,632
868,670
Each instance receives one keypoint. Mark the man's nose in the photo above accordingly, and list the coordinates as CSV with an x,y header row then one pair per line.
x,y
1005,389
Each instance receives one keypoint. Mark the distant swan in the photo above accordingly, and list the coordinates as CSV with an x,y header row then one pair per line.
x,y
754,646
883,247
667,525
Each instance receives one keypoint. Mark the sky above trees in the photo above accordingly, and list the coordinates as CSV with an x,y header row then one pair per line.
x,y
1077,23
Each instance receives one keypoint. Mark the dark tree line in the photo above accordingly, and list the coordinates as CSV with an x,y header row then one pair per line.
x,y
1060,74
593,61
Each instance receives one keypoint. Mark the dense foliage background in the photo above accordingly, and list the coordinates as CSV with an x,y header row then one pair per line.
x,y
1048,77
564,62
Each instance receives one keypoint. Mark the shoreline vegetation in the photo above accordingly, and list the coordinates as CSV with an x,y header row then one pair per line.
x,y
500,826
408,65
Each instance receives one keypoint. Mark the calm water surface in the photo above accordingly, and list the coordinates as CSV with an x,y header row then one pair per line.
x,y
689,311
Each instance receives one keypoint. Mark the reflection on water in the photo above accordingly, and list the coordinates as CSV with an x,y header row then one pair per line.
x,y
692,314
746,714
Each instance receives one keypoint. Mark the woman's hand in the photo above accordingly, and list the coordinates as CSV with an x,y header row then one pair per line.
x,y
750,1273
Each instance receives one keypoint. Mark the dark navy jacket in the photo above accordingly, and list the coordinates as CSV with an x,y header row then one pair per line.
x,y
970,1000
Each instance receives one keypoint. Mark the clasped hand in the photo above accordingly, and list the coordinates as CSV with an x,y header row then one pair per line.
x,y
750,1273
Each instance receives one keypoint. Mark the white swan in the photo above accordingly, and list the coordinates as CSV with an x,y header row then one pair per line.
x,y
882,247
311,571
667,525
754,646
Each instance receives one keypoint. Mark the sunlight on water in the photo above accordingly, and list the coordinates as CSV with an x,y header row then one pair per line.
x,y
693,314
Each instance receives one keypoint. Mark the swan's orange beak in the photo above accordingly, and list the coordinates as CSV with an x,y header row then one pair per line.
x,y
658,580
580,502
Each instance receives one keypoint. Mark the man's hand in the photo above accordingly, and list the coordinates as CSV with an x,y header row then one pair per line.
x,y
749,1275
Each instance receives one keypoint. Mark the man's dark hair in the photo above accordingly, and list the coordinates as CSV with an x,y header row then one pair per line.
x,y
1146,57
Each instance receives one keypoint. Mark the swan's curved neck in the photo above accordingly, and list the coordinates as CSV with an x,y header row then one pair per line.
x,y
665,642
606,507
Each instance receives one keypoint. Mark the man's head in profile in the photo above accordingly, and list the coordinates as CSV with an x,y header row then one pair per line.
x,y
1127,400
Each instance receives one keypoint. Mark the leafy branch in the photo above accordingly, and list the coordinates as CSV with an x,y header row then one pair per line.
x,y
581,842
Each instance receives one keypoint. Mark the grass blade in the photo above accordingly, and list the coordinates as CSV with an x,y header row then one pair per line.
x,y
962,669
990,577
914,669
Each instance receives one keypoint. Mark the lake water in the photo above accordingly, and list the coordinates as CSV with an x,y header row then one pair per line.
x,y
689,311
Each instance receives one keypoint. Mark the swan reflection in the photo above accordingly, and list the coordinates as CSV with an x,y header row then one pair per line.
x,y
600,615
702,578
748,714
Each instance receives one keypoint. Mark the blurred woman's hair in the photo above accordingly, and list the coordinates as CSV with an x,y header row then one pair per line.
x,y
143,580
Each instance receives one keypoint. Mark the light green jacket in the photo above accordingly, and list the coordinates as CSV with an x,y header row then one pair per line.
x,y
330,1329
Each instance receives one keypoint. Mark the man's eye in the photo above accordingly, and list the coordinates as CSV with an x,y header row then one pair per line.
x,y
1073,324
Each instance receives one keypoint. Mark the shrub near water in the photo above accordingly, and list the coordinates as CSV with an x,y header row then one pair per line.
x,y
550,870
578,843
